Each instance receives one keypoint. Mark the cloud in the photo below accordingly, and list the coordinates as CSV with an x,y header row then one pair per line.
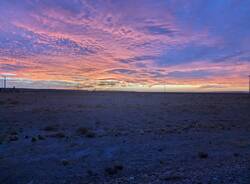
x,y
160,30
139,61
11,67
213,86
191,74
108,83
122,71
8,74
26,43
41,84
143,42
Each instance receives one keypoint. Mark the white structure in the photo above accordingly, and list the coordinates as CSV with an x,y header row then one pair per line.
x,y
4,81
5,75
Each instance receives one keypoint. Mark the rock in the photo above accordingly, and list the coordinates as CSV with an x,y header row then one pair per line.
x,y
13,138
31,182
90,135
236,154
172,176
142,132
203,155
85,131
160,149
161,162
131,178
114,170
110,171
65,162
13,133
82,130
50,128
118,167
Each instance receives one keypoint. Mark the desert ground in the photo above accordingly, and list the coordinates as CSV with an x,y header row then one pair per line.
x,y
53,136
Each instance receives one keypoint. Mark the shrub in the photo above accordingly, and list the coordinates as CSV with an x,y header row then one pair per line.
x,y
82,130
50,128
58,135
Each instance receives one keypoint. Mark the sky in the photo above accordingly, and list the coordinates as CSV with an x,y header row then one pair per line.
x,y
142,45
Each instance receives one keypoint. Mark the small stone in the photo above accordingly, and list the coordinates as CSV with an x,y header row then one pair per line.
x,y
161,162
110,171
160,149
118,167
173,178
131,178
236,154
33,139
203,155
65,162
142,132
90,135
114,170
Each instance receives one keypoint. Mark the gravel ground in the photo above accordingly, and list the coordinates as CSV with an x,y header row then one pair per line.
x,y
49,137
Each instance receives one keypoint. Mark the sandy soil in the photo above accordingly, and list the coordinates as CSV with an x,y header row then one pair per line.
x,y
109,137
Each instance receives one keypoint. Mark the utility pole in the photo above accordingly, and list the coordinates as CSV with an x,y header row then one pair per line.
x,y
5,77
4,82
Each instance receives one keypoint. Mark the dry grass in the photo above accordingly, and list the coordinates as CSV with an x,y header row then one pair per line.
x,y
98,106
82,130
14,102
58,135
51,128
86,132
114,169
10,101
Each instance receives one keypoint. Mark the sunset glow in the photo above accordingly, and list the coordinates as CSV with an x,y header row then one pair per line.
x,y
142,45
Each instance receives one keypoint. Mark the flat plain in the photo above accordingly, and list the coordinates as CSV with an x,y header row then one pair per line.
x,y
53,136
